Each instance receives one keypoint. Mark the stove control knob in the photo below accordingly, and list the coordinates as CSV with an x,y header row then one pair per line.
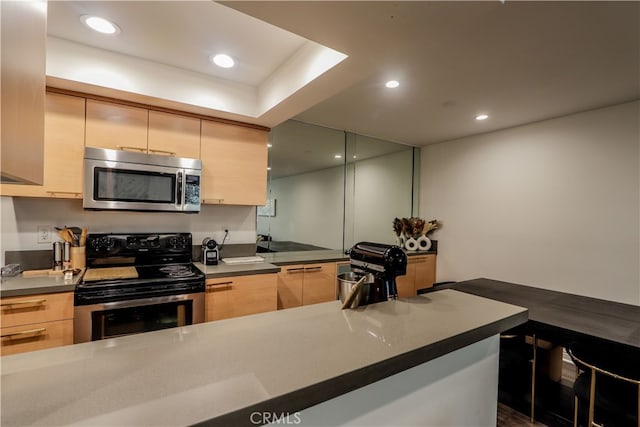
x,y
173,242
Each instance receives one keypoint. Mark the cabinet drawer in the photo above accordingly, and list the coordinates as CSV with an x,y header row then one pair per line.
x,y
425,271
236,296
290,281
36,336
30,309
319,283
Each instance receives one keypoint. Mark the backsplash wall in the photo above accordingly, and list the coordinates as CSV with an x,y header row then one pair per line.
x,y
20,218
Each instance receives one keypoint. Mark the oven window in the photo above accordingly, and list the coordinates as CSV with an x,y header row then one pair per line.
x,y
146,318
134,186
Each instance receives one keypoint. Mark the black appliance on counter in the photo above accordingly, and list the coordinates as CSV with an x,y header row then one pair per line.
x,y
210,251
383,263
136,283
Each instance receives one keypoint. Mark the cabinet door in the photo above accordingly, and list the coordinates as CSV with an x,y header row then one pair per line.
x,y
406,283
37,336
115,126
425,272
234,164
290,281
63,150
174,135
30,309
240,296
319,283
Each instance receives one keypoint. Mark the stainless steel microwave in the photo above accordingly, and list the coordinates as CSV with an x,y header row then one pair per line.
x,y
123,180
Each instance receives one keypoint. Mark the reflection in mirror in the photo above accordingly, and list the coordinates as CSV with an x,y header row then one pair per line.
x,y
330,189
379,187
306,187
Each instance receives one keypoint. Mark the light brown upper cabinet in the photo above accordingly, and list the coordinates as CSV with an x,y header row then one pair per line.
x,y
63,150
124,127
116,126
174,135
234,164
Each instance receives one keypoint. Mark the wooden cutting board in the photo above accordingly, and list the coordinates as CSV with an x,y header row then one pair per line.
x,y
110,273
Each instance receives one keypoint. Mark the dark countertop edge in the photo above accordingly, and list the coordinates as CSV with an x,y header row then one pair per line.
x,y
270,270
37,290
309,396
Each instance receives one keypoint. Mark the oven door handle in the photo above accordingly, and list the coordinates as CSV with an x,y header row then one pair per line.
x,y
137,302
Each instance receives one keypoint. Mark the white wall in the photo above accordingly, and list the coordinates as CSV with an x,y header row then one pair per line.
x,y
309,208
554,204
21,217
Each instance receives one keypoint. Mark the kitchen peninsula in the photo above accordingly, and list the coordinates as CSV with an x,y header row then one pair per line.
x,y
306,362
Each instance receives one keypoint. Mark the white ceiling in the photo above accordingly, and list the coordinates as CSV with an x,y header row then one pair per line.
x,y
181,34
519,62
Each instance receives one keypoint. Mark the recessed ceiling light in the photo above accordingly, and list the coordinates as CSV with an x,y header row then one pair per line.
x,y
338,156
100,25
222,60
391,84
481,117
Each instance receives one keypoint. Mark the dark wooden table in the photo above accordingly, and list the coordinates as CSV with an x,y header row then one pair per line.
x,y
563,319
562,316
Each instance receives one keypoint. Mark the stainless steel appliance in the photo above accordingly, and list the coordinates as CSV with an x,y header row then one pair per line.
x,y
116,179
382,263
210,251
137,283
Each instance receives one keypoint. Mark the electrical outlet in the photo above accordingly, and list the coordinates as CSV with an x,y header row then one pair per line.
x,y
44,234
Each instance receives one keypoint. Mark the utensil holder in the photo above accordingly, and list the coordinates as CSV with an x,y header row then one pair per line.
x,y
78,257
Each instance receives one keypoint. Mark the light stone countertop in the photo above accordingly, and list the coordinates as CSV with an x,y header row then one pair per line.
x,y
20,285
221,371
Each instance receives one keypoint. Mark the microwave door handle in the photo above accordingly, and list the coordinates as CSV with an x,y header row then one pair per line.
x,y
179,189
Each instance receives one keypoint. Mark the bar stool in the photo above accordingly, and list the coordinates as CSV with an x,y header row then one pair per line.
x,y
609,386
506,337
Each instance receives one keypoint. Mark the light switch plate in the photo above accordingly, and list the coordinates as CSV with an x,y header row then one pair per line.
x,y
44,234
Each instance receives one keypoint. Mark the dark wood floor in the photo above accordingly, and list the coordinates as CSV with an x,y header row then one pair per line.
x,y
508,417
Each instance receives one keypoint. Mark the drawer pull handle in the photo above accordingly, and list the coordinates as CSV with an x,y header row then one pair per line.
x,y
24,302
313,269
127,148
220,285
27,332
169,153
295,270
73,193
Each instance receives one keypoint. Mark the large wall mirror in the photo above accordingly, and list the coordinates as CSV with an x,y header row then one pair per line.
x,y
329,189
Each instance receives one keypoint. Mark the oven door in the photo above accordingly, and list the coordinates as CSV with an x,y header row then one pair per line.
x,y
114,319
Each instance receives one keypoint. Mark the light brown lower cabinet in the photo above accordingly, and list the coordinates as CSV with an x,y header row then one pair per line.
x,y
304,284
36,322
228,297
421,274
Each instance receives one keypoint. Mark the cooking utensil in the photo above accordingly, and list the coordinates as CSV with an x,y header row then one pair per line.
x,y
354,292
83,237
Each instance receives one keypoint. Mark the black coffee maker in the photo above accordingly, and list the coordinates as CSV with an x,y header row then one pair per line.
x,y
383,263
210,251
